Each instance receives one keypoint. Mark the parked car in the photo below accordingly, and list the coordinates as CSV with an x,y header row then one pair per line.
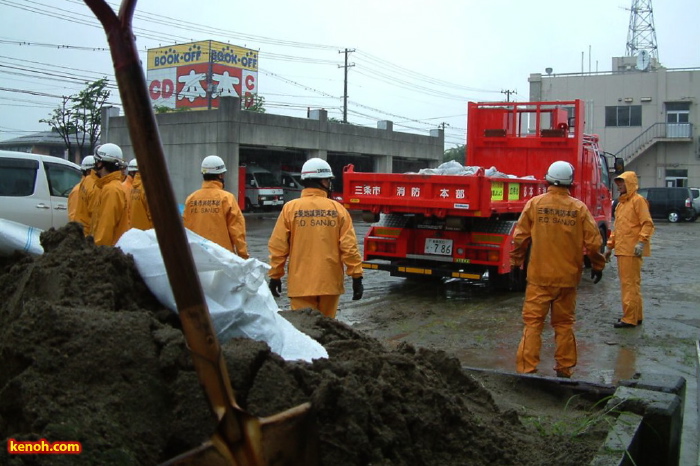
x,y
696,199
34,188
291,183
673,204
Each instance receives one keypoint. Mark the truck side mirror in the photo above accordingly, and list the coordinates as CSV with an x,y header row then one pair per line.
x,y
619,165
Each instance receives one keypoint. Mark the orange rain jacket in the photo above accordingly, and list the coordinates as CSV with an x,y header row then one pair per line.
x,y
139,213
214,214
317,236
559,226
110,219
633,223
73,201
83,212
126,186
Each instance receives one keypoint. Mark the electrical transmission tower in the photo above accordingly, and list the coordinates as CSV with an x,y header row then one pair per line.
x,y
642,34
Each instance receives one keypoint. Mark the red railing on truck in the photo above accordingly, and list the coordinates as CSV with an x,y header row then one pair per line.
x,y
437,195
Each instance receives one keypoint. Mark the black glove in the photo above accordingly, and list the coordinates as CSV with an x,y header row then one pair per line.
x,y
515,274
276,287
357,288
596,275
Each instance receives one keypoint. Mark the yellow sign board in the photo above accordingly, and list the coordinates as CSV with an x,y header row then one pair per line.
x,y
205,51
513,191
497,191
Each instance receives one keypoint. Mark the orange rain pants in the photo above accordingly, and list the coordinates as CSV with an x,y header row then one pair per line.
x,y
327,304
629,269
538,301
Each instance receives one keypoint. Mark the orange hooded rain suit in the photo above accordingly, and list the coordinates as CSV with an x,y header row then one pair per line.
x,y
86,200
73,201
316,235
139,213
126,186
214,214
633,225
558,227
110,219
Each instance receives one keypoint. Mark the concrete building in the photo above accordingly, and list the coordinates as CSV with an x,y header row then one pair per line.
x,y
274,142
642,112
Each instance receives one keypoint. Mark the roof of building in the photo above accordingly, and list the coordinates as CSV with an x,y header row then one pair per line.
x,y
44,138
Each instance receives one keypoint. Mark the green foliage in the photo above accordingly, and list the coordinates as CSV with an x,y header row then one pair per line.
x,y
79,118
456,153
253,103
163,109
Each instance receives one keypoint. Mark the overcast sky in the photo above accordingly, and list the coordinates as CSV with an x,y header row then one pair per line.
x,y
416,63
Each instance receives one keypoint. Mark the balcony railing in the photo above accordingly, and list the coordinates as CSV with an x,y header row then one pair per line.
x,y
654,133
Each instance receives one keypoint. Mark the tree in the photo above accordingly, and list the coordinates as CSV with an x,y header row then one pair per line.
x,y
79,119
253,103
456,153
158,109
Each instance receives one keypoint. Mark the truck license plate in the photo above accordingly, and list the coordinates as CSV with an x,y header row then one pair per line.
x,y
442,247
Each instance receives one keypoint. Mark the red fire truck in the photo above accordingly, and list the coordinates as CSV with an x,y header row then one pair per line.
x,y
461,226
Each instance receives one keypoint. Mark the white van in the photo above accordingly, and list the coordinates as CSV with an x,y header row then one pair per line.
x,y
262,189
34,188
291,183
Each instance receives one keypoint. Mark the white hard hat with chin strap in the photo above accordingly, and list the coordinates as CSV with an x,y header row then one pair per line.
x,y
316,168
560,173
213,165
109,153
88,163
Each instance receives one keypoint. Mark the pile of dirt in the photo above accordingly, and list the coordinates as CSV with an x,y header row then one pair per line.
x,y
88,354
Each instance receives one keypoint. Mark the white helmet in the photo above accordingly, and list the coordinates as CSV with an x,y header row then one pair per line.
x,y
316,168
88,163
110,153
213,164
560,173
133,165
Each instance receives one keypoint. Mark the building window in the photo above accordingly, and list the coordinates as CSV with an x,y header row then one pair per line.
x,y
623,115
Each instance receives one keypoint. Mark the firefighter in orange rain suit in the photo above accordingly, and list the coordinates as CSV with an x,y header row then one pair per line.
x,y
128,181
631,240
139,212
317,236
110,218
213,213
558,226
86,194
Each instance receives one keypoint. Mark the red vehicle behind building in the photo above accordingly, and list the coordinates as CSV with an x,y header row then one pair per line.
x,y
461,226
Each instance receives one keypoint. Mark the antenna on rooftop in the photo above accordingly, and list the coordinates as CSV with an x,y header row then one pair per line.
x,y
641,36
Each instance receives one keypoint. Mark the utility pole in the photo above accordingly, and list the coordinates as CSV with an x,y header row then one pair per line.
x,y
508,93
345,89
443,125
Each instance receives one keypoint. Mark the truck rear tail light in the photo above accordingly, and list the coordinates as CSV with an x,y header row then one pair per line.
x,y
388,247
483,255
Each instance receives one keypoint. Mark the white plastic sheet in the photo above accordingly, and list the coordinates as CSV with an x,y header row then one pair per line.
x,y
19,237
236,291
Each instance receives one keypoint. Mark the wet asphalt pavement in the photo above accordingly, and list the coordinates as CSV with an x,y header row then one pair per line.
x,y
482,328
